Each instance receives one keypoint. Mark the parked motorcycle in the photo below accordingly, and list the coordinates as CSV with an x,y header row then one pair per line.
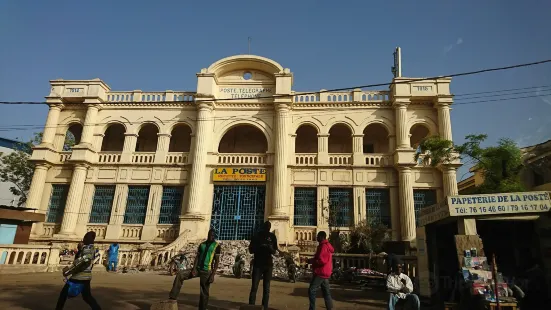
x,y
337,273
239,266
292,269
177,264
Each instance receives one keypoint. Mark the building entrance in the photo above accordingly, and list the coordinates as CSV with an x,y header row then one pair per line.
x,y
237,211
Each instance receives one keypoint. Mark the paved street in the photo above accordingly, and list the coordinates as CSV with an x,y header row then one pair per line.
x,y
139,291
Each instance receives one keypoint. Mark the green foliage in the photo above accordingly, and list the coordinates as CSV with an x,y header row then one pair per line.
x,y
70,141
500,165
15,168
367,237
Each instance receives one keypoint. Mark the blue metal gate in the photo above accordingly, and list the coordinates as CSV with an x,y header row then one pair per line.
x,y
305,206
377,202
340,207
102,204
237,211
171,204
57,203
136,205
422,198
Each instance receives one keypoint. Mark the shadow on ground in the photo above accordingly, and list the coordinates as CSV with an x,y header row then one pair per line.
x,y
45,297
370,297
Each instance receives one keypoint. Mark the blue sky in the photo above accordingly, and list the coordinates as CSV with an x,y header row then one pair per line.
x,y
159,45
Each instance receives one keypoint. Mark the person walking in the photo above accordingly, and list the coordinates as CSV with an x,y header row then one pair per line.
x,y
262,246
83,264
113,260
205,264
322,266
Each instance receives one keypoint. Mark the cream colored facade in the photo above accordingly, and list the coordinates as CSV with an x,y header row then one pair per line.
x,y
243,114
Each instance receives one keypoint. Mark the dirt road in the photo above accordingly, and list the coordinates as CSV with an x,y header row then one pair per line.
x,y
139,291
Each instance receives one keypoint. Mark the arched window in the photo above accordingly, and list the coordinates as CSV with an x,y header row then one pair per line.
x,y
243,139
306,140
340,139
418,132
113,141
375,139
147,138
180,140
72,136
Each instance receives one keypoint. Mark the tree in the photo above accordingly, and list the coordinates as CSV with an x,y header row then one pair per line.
x,y
368,237
15,168
500,165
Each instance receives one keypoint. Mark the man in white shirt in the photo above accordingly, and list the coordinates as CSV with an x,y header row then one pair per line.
x,y
400,287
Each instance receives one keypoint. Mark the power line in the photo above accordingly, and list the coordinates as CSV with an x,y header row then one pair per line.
x,y
257,115
502,90
333,90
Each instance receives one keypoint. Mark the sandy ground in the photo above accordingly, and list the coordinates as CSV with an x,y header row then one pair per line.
x,y
139,291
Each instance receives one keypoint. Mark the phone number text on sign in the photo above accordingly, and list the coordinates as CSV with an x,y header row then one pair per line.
x,y
500,209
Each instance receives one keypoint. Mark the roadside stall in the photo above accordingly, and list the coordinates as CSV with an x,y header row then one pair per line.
x,y
454,268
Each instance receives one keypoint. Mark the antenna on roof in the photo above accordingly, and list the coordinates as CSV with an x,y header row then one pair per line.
x,y
397,68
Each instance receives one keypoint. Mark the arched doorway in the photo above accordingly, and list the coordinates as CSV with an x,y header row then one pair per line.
x,y
113,140
147,138
418,133
238,207
243,139
72,136
375,139
340,139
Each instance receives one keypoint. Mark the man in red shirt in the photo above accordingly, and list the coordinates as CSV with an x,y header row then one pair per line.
x,y
322,265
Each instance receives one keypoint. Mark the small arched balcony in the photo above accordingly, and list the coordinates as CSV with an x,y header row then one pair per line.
x,y
112,144
306,145
340,145
417,134
146,144
180,145
71,138
243,144
376,145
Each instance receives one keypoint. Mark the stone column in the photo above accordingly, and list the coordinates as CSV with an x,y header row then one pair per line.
x,y
407,210
129,147
198,170
360,210
117,212
323,146
292,150
466,226
444,121
74,198
395,214
85,209
162,147
323,207
34,196
280,207
149,232
402,135
357,149
51,125
87,136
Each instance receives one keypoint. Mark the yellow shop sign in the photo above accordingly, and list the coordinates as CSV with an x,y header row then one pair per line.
x,y
229,174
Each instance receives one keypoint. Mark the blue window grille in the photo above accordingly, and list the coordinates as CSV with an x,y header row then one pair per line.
x,y
102,204
378,205
422,198
340,207
305,206
171,204
57,203
136,205
237,211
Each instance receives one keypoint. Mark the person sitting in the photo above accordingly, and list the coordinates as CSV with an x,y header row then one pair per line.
x,y
401,288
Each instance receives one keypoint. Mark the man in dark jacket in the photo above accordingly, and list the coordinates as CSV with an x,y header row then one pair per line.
x,y
263,246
